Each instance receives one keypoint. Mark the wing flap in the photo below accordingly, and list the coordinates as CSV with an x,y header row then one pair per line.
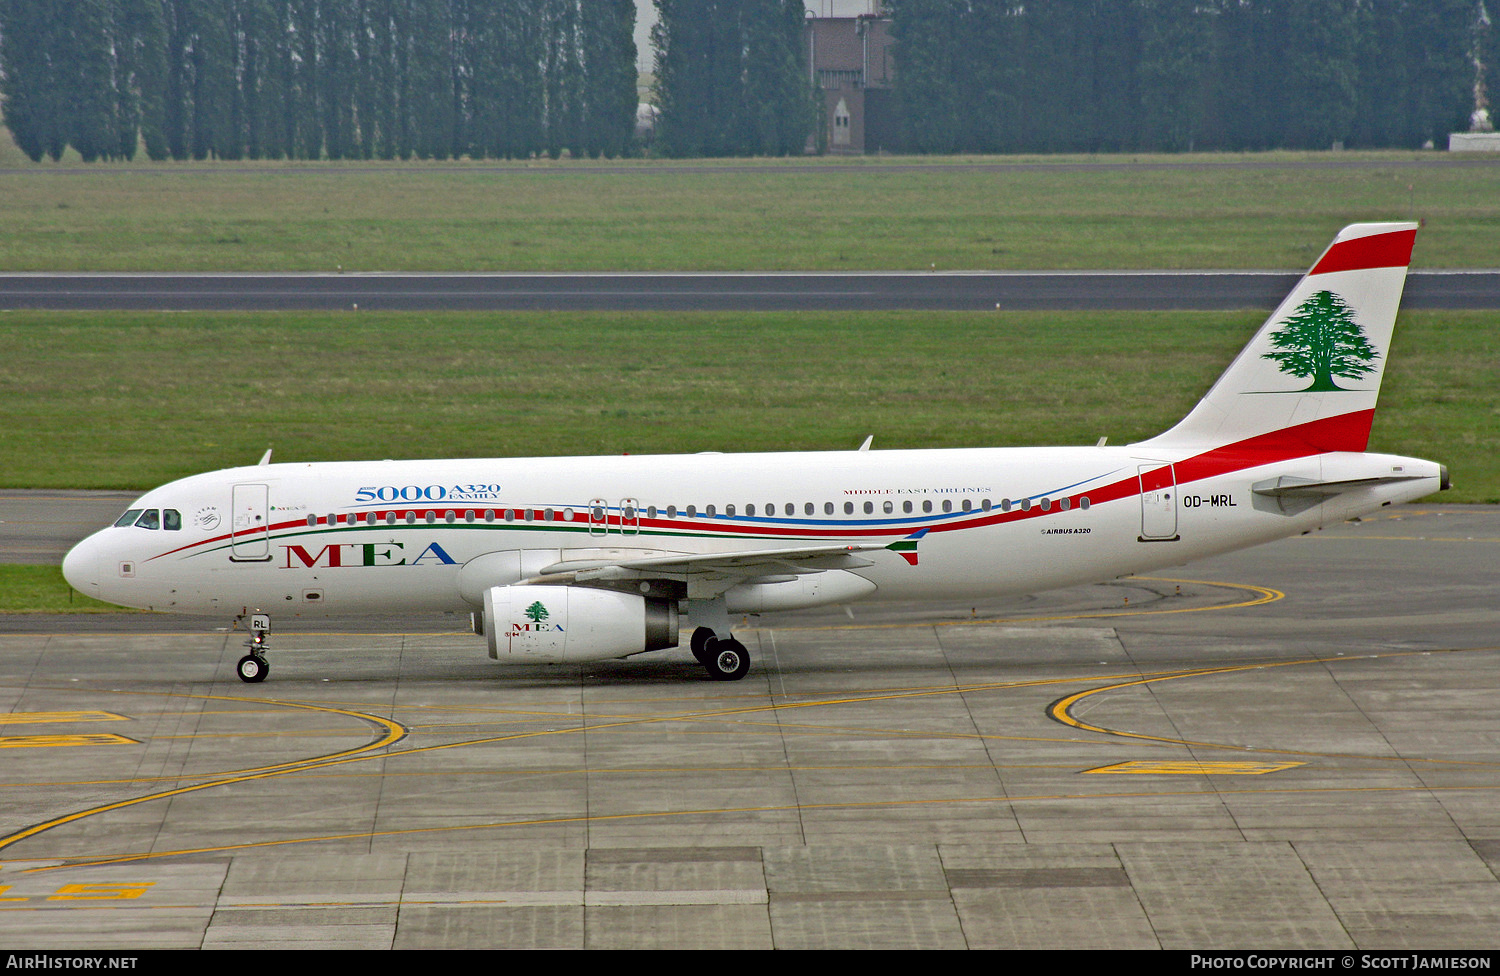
x,y
737,565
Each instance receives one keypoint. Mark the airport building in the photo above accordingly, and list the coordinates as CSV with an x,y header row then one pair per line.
x,y
852,64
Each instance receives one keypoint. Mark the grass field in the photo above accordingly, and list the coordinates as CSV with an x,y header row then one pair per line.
x,y
1272,210
127,400
42,589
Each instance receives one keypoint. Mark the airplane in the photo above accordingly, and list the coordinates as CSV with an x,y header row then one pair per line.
x,y
571,559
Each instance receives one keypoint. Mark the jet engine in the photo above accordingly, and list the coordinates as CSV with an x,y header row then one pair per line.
x,y
550,624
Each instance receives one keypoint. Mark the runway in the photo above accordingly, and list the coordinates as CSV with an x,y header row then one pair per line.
x,y
1291,747
811,291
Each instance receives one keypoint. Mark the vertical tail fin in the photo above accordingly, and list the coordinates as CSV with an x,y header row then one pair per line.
x,y
1311,375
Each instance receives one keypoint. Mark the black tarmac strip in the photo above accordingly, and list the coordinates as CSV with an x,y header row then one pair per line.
x,y
769,291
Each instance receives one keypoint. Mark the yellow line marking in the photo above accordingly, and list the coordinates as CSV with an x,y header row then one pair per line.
x,y
394,732
65,741
39,718
1146,767
1061,710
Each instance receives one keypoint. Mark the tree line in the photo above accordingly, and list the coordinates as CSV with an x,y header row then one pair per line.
x,y
310,79
732,78
1176,75
344,79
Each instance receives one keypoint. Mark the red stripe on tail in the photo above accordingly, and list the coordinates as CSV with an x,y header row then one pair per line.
x,y
1391,250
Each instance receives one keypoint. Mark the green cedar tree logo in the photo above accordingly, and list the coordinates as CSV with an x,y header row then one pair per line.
x,y
1321,340
537,612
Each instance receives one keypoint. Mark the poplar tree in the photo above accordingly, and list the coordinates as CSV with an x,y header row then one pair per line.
x,y
1176,57
30,51
730,77
609,59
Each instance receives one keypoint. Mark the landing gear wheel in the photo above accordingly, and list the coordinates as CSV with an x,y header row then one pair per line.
x,y
252,668
699,644
727,660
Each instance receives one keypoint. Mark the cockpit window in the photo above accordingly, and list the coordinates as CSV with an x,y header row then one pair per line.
x,y
171,519
129,517
149,519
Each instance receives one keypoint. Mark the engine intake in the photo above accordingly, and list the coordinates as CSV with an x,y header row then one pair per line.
x,y
550,624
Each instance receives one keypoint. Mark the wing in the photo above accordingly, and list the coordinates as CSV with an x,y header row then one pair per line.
x,y
711,573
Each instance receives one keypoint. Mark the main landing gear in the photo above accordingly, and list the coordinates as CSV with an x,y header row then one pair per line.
x,y
724,657
253,667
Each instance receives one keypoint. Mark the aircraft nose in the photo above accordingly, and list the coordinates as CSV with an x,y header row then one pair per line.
x,y
80,567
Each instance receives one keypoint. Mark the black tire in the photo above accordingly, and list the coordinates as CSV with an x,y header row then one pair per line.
x,y
699,644
727,660
252,668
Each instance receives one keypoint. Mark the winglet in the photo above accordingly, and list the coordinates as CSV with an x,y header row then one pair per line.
x,y
907,547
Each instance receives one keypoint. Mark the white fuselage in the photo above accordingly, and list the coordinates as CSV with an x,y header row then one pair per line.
x,y
358,537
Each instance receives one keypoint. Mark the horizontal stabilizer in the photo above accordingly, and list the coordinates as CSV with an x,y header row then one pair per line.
x,y
1288,486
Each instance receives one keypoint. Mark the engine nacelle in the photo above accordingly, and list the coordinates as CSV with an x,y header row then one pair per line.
x,y
549,624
